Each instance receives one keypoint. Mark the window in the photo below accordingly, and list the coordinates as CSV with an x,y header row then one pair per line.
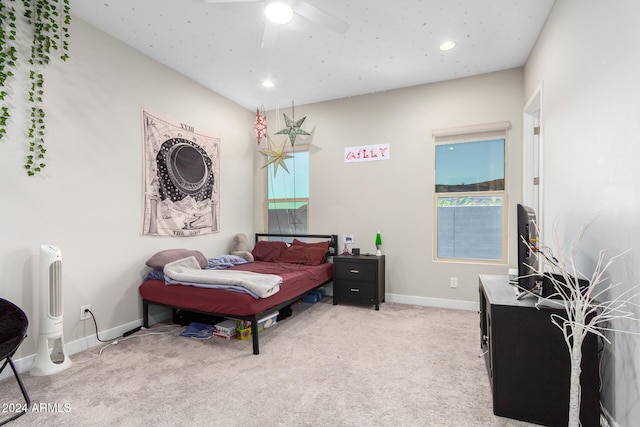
x,y
288,195
470,195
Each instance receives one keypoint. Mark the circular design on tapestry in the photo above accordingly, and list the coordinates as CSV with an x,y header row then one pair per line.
x,y
184,169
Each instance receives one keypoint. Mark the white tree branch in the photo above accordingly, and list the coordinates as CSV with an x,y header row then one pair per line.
x,y
586,307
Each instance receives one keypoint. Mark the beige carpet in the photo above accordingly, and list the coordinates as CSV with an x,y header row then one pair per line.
x,y
326,365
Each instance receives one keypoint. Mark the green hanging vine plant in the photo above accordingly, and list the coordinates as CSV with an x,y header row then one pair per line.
x,y
8,58
48,21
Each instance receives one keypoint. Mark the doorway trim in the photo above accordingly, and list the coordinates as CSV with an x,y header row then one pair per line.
x,y
532,155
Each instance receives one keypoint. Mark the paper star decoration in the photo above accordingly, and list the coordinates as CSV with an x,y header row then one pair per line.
x,y
260,126
276,155
293,129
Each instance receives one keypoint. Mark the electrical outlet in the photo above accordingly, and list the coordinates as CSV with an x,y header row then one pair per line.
x,y
453,282
84,315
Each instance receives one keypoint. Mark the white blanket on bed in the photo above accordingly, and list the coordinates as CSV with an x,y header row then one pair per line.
x,y
188,270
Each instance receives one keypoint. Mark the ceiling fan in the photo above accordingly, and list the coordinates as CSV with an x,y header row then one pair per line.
x,y
280,12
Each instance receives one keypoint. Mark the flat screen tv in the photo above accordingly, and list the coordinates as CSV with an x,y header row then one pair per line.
x,y
528,277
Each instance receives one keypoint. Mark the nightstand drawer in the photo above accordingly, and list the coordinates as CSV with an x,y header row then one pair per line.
x,y
353,270
356,291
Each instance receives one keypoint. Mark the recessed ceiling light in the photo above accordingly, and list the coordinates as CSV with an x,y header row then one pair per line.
x,y
448,45
267,83
278,12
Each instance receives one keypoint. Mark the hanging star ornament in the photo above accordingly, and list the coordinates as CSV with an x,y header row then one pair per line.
x,y
293,129
276,155
261,125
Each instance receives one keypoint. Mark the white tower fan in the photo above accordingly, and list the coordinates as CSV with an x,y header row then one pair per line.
x,y
52,356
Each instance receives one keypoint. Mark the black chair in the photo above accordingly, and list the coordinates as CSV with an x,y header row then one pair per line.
x,y
13,330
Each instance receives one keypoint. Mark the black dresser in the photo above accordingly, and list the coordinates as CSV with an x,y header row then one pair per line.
x,y
528,361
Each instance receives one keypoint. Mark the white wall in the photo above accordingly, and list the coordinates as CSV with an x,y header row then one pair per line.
x,y
88,200
396,196
588,61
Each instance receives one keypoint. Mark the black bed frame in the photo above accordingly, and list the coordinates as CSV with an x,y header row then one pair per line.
x,y
333,250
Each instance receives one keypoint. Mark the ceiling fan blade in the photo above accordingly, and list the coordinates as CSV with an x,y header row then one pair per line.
x,y
314,14
270,35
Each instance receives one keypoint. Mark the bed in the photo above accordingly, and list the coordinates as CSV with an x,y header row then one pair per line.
x,y
299,274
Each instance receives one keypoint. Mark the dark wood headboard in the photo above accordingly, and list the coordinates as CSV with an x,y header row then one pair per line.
x,y
333,239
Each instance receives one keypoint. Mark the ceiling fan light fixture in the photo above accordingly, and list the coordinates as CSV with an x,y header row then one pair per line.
x,y
278,12
448,45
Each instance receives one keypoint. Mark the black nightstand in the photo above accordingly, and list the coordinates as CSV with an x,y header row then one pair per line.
x,y
358,279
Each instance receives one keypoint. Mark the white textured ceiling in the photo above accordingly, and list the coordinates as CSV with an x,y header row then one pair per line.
x,y
390,44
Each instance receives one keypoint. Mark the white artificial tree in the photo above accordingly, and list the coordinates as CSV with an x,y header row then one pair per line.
x,y
589,307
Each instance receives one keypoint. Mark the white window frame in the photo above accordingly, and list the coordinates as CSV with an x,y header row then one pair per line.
x,y
473,133
298,148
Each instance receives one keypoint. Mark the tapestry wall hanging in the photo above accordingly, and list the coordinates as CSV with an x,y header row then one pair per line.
x,y
181,178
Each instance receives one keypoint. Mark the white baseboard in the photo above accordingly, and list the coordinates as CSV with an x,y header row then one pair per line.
x,y
327,290
433,302
24,364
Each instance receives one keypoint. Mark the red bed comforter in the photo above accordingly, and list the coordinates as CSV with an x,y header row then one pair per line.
x,y
296,280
